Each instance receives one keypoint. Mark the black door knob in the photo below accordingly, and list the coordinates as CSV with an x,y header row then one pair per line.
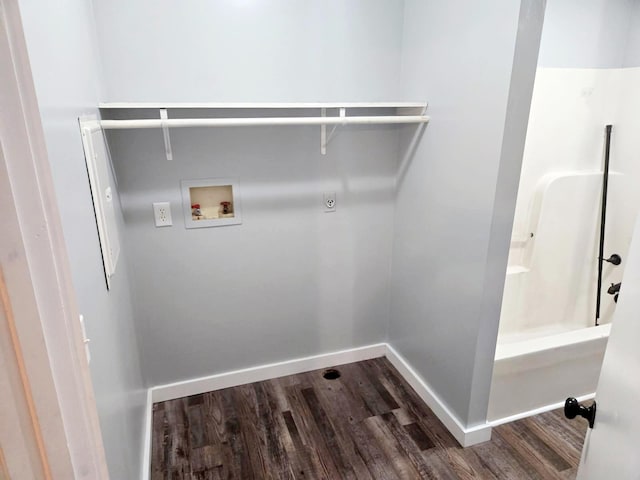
x,y
615,259
614,290
572,409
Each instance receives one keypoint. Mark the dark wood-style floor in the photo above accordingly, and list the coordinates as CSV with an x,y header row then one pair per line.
x,y
368,424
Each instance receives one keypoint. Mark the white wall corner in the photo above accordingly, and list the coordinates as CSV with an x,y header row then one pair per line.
x,y
466,436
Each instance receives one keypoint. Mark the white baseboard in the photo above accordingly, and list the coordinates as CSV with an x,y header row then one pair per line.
x,y
146,441
195,386
536,411
466,436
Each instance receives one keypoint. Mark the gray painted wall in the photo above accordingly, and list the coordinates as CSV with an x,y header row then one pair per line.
x,y
517,119
60,39
250,51
588,33
444,240
632,51
291,281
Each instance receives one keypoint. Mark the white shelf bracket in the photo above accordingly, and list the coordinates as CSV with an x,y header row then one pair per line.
x,y
343,114
324,138
323,133
165,133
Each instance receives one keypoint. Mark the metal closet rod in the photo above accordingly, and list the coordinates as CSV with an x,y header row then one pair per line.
x,y
250,122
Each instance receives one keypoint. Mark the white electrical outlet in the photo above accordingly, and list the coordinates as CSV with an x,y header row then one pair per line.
x,y
162,214
329,201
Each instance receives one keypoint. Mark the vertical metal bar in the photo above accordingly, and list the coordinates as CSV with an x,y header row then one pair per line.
x,y
603,217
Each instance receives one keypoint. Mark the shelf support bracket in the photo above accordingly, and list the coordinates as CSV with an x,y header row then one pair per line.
x,y
343,114
323,133
165,133
324,138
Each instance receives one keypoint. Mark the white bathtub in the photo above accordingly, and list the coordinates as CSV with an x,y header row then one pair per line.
x,y
536,372
547,347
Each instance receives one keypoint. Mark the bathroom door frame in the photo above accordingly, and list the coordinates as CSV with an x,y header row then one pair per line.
x,y
47,377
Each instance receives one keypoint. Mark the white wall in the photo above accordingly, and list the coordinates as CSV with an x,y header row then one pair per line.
x,y
291,281
586,33
62,52
250,50
453,218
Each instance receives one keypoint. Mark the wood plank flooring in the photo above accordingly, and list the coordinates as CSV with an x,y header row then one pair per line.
x,y
367,424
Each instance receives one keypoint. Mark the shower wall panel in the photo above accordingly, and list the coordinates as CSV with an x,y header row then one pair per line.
x,y
553,254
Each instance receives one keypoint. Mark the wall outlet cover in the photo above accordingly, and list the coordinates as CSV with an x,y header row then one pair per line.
x,y
329,201
162,214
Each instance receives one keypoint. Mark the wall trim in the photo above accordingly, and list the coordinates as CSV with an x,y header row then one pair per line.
x,y
466,436
146,440
536,411
39,284
259,373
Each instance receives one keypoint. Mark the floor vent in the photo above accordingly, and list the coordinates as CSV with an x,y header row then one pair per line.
x,y
331,374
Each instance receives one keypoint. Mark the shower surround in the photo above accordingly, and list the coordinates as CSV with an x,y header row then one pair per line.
x,y
544,353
